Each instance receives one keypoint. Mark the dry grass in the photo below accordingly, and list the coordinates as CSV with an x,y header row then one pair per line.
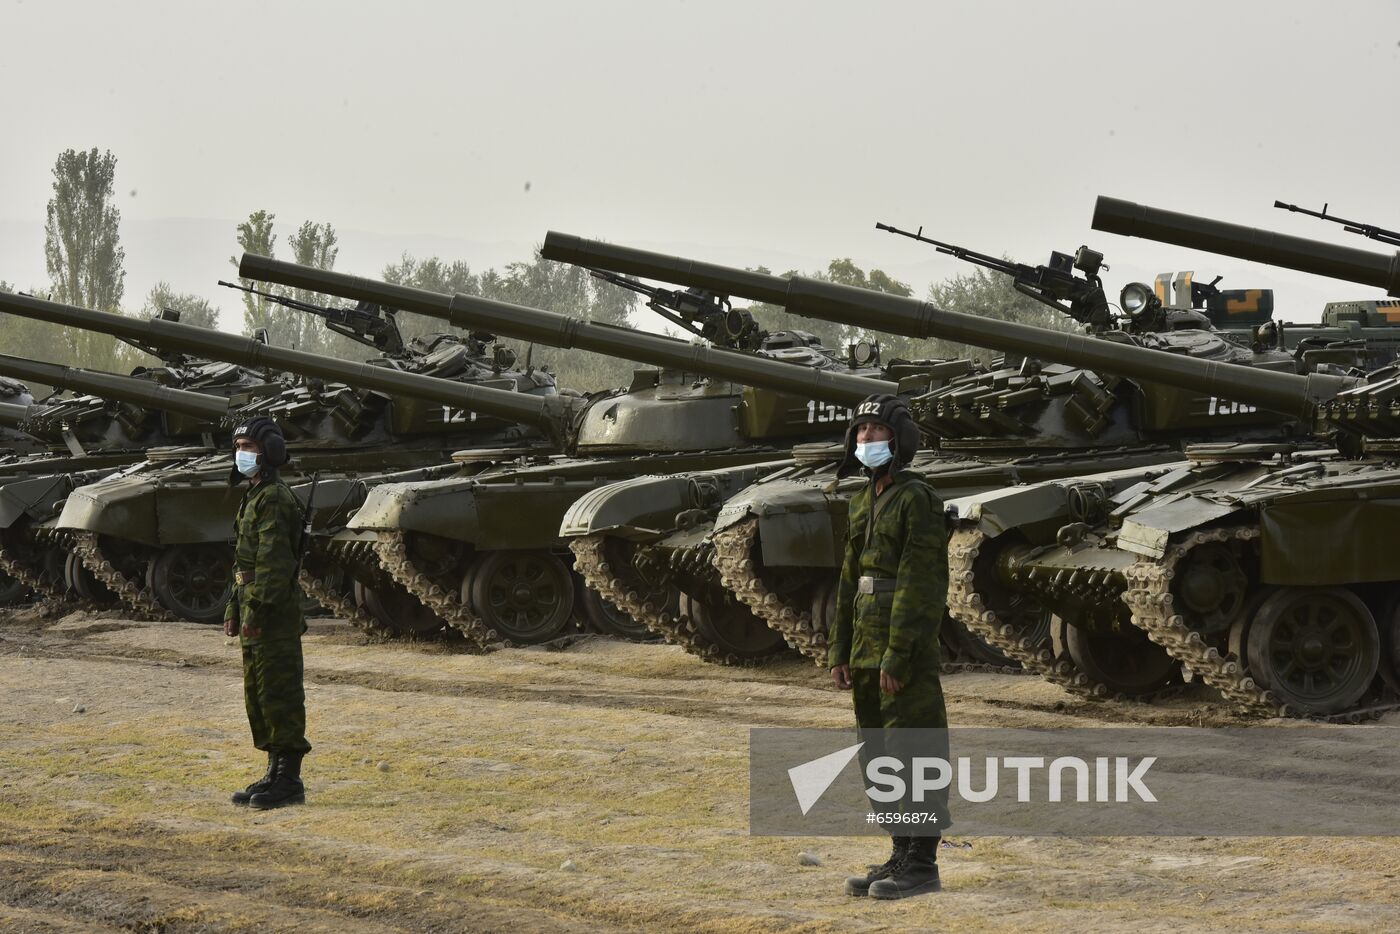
x,y
628,760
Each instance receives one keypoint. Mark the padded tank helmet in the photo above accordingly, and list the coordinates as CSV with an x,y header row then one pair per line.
x,y
893,413
265,432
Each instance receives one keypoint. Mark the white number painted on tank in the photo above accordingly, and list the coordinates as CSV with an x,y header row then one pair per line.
x,y
825,413
1219,406
451,416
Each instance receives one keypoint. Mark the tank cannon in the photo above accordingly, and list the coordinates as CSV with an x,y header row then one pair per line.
x,y
1114,215
133,391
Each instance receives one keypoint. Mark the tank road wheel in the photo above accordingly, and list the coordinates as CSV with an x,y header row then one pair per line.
x,y
1124,660
1316,648
193,581
397,609
607,618
84,583
733,628
1213,586
526,596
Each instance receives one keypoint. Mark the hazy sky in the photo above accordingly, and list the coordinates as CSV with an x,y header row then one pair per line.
x,y
741,132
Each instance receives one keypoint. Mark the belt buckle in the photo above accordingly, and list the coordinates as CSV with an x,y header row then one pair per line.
x,y
866,585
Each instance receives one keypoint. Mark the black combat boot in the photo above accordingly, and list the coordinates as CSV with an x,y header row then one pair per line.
x,y
916,874
860,885
286,787
242,797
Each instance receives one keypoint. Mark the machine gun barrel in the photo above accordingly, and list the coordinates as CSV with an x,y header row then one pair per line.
x,y
130,389
1287,393
1114,215
546,327
547,412
1370,231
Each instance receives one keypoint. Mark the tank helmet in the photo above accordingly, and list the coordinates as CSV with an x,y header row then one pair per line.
x,y
268,436
892,412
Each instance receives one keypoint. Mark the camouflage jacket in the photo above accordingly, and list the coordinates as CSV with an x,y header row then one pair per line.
x,y
889,630
267,604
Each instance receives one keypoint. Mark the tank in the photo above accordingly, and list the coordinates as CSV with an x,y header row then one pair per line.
x,y
485,549
1252,567
778,543
158,532
106,421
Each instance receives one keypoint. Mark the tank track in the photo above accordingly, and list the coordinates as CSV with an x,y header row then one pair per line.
x,y
625,589
20,571
393,555
1150,599
320,591
734,559
968,605
138,599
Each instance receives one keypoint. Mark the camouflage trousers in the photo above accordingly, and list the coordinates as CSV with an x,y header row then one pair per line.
x,y
273,693
882,721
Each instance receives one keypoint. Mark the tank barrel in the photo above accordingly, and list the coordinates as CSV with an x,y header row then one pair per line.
x,y
1114,215
1287,393
755,286
542,411
130,389
546,327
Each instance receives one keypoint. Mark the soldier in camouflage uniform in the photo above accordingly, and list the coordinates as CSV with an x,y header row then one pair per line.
x,y
265,613
884,645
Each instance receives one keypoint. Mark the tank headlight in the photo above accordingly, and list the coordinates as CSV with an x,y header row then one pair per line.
x,y
1136,299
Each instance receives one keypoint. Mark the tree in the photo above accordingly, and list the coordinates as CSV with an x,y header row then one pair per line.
x,y
255,236
82,243
193,309
83,252
313,245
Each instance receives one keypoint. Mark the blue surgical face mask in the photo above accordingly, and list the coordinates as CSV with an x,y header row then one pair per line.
x,y
874,453
246,462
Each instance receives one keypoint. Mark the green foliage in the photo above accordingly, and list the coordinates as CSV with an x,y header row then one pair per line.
x,y
82,243
255,236
193,309
83,254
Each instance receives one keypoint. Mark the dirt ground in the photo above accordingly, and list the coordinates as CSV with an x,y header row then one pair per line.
x,y
447,792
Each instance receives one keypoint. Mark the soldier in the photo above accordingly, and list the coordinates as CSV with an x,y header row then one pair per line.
x,y
890,603
265,613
